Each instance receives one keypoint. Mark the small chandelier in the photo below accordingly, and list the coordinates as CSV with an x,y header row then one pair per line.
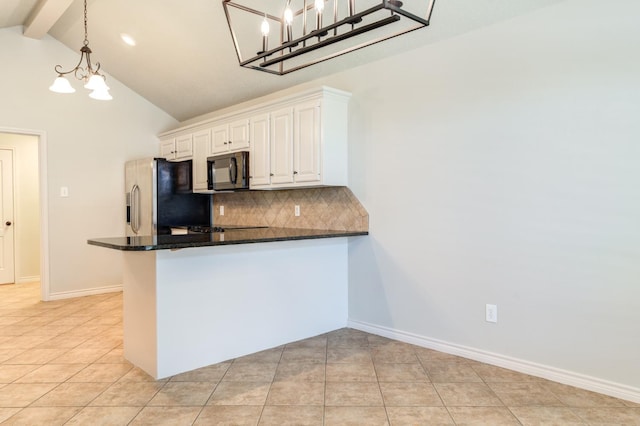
x,y
94,80
312,31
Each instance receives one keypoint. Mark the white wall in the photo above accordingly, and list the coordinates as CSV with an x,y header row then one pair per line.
x,y
26,205
88,142
502,167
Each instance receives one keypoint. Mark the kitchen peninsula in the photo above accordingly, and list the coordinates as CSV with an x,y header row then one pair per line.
x,y
198,299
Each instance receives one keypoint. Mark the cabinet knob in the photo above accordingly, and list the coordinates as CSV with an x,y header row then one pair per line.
x,y
225,143
230,141
8,223
295,173
270,174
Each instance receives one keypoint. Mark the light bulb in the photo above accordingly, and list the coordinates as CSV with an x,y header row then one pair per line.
x,y
61,85
288,16
96,82
319,8
265,27
101,94
288,20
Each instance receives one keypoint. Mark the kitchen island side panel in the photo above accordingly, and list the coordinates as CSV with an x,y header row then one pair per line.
x,y
218,303
139,310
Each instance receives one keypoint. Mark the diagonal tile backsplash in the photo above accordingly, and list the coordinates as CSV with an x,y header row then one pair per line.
x,y
334,208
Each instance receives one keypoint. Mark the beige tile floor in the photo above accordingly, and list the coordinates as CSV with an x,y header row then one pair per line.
x,y
61,363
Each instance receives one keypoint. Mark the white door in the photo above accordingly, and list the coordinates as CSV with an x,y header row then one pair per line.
x,y
6,217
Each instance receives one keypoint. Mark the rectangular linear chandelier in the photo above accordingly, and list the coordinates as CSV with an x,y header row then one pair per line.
x,y
282,36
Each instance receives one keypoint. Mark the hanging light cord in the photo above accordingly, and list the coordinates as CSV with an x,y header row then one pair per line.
x,y
86,36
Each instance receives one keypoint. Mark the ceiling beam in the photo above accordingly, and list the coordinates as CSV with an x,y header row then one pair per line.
x,y
44,16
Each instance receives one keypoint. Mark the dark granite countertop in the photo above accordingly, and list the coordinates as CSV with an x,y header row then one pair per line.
x,y
231,236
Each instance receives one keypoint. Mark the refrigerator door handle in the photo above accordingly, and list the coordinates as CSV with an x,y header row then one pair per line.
x,y
135,208
128,204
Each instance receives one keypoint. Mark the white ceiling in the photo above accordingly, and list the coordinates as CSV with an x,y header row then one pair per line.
x,y
184,61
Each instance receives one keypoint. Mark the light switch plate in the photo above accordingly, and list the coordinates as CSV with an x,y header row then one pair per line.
x,y
491,313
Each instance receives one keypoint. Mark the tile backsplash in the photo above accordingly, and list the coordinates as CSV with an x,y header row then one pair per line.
x,y
334,208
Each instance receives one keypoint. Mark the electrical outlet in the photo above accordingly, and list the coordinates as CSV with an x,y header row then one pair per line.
x,y
492,313
297,210
221,210
64,191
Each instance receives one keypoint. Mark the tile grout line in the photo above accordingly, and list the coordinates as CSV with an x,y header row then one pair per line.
x,y
426,370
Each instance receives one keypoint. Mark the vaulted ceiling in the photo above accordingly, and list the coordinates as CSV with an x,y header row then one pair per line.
x,y
184,61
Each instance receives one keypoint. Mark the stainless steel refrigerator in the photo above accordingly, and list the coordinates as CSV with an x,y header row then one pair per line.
x,y
159,197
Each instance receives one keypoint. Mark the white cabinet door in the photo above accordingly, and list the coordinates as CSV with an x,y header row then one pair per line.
x,y
282,146
201,150
168,149
259,159
239,134
306,143
220,137
184,147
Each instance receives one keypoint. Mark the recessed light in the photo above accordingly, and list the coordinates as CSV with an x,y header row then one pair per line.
x,y
128,39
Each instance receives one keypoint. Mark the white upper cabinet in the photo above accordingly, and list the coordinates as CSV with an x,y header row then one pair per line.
x,y
309,142
296,141
229,137
178,148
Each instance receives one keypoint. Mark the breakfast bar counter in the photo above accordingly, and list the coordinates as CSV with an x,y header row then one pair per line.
x,y
198,299
228,237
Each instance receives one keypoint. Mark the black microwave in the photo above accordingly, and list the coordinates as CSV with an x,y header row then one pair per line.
x,y
228,172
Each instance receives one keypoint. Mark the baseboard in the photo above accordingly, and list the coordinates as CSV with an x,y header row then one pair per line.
x,y
578,380
26,280
81,293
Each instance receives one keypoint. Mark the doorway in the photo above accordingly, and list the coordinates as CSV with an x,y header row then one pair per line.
x,y
26,151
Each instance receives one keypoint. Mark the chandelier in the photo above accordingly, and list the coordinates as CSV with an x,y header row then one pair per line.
x,y
88,73
282,36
